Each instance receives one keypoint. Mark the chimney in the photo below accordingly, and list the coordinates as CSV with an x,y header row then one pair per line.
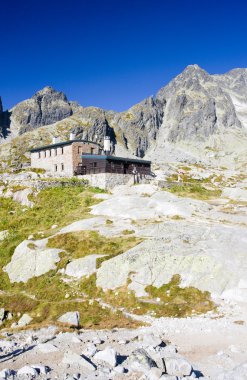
x,y
55,140
72,136
107,144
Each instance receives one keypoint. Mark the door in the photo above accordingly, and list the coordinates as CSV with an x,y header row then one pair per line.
x,y
126,167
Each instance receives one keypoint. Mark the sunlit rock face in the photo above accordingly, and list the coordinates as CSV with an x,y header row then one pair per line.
x,y
45,107
191,117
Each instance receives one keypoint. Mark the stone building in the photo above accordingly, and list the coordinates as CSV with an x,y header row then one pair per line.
x,y
62,158
90,160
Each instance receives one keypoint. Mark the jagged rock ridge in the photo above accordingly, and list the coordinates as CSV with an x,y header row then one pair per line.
x,y
45,107
195,109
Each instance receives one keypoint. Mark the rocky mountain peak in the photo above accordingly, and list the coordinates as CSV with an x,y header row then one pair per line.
x,y
46,106
194,68
193,71
50,93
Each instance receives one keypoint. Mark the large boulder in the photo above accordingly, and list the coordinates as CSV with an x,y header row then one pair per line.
x,y
107,355
177,366
72,318
82,267
140,360
31,259
72,358
24,320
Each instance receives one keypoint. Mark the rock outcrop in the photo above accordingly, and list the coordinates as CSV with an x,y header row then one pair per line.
x,y
45,107
31,260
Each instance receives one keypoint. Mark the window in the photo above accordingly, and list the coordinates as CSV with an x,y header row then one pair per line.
x,y
92,149
62,167
39,155
93,167
55,152
61,150
45,154
55,168
50,152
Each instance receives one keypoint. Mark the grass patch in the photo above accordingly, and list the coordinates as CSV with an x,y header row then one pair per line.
x,y
196,191
84,243
174,301
52,206
108,222
92,314
177,217
128,232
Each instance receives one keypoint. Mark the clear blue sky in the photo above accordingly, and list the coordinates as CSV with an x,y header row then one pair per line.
x,y
112,54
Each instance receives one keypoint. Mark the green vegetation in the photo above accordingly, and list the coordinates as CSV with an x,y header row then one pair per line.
x,y
128,232
92,315
195,190
169,300
109,222
52,206
46,297
177,217
84,243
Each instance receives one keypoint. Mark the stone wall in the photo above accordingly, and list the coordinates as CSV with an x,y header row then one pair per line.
x,y
107,181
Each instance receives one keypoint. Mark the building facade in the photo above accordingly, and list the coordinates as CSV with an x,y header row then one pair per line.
x,y
81,157
94,164
62,158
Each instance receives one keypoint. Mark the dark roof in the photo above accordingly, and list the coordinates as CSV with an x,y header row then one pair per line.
x,y
113,158
57,145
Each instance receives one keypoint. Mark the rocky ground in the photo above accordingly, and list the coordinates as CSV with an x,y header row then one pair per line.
x,y
194,228
209,346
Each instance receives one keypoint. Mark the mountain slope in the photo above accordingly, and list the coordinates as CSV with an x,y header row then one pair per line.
x,y
196,116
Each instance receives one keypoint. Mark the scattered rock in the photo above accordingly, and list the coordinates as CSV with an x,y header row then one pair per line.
x,y
41,369
154,373
4,373
90,350
150,340
72,318
107,355
24,321
140,360
47,348
3,235
119,369
177,366
2,314
27,370
73,358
